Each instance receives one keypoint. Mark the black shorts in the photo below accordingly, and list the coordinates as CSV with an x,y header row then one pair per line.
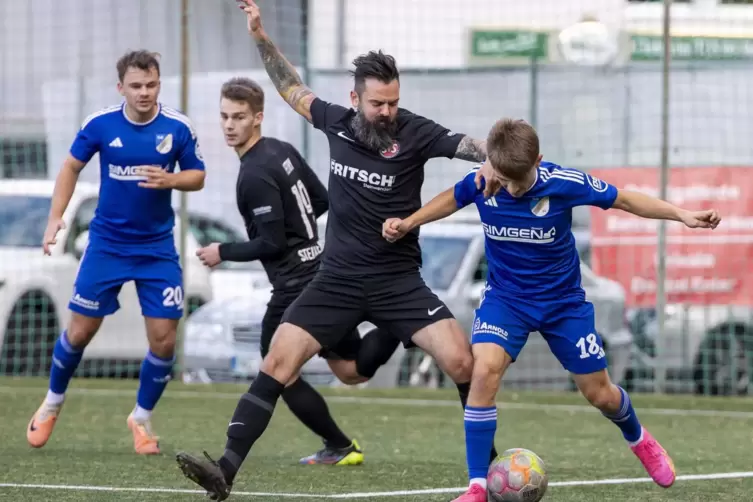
x,y
331,306
346,349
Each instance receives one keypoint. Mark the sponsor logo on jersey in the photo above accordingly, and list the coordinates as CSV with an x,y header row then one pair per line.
x,y
129,173
288,166
540,206
372,181
258,211
309,253
164,143
390,152
484,328
512,234
596,183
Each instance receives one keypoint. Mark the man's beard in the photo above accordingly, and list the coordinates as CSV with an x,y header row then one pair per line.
x,y
378,135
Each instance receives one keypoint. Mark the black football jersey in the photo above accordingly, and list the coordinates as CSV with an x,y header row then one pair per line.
x,y
367,187
279,197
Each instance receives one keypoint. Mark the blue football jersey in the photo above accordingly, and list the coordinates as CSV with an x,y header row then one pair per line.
x,y
127,213
530,248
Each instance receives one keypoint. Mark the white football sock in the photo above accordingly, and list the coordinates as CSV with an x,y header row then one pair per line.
x,y
54,398
140,414
478,481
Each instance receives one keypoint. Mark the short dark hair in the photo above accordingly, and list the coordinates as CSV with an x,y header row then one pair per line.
x,y
244,89
512,148
141,59
374,64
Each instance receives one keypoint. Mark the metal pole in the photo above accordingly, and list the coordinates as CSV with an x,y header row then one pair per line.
x,y
661,266
183,215
304,5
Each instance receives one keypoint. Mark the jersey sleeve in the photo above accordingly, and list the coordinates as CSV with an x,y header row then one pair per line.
x,y
87,141
582,189
314,186
465,189
261,197
189,154
435,140
324,114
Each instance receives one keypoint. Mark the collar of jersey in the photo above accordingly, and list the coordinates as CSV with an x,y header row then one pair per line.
x,y
123,111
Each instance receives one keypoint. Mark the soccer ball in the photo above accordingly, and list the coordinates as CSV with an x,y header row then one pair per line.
x,y
518,475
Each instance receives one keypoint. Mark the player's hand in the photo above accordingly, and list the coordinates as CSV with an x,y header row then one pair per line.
x,y
210,255
50,234
156,178
394,229
487,179
253,17
708,218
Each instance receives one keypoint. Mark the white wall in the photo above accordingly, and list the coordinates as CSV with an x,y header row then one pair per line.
x,y
434,33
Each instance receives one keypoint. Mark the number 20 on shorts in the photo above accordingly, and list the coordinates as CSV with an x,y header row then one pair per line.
x,y
172,297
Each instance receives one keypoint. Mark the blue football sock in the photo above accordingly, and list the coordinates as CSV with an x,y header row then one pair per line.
x,y
155,373
65,360
626,419
480,427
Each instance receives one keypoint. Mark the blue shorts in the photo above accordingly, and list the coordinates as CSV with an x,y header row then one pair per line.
x,y
567,325
101,274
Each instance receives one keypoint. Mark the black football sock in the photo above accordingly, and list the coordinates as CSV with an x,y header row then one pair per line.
x,y
376,349
463,390
250,420
311,409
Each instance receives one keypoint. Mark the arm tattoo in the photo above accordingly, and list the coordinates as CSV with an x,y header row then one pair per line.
x,y
472,150
283,76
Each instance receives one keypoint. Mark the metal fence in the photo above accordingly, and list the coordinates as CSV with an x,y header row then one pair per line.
x,y
686,124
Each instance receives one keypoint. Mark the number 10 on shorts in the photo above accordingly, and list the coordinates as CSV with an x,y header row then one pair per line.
x,y
589,346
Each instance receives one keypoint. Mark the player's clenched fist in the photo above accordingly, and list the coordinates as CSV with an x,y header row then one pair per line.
x,y
50,234
708,218
253,17
394,229
210,255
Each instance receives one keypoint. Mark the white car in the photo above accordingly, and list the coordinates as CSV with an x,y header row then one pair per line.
x,y
222,336
35,289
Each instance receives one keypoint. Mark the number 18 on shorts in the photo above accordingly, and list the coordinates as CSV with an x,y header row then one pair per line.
x,y
567,326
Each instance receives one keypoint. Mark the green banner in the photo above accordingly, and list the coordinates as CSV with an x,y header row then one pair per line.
x,y
651,48
508,44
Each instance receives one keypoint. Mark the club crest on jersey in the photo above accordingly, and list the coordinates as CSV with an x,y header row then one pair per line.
x,y
596,183
164,143
390,152
540,206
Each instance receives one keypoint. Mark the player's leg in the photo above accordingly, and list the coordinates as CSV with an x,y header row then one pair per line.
x,y
159,286
499,333
95,296
356,359
305,402
407,309
571,334
309,324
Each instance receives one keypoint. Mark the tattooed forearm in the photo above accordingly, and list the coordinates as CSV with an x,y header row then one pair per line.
x,y
285,78
473,150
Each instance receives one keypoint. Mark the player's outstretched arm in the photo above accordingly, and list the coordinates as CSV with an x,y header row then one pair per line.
x,y
472,150
441,206
646,206
287,81
65,184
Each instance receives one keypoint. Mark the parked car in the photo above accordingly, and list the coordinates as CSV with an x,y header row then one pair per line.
x,y
707,349
35,289
222,337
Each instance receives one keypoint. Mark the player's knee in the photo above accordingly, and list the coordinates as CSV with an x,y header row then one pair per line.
x,y
346,371
291,347
486,375
162,335
82,329
459,366
599,391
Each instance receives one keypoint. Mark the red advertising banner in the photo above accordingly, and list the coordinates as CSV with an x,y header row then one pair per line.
x,y
703,267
